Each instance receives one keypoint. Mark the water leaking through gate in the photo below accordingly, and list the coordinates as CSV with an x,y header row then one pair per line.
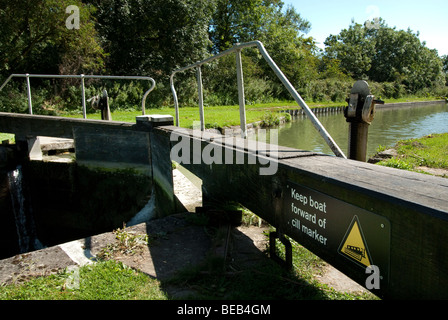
x,y
22,212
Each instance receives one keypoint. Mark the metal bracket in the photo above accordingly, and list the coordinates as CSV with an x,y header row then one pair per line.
x,y
287,263
352,104
368,109
361,104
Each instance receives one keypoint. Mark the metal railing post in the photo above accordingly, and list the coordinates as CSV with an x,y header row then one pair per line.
x,y
176,102
146,94
28,91
201,97
241,98
83,92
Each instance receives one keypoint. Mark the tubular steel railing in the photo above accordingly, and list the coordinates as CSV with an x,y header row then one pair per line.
x,y
237,49
82,77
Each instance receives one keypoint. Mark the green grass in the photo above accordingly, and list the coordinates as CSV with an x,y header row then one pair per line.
x,y
111,280
7,136
225,116
412,99
221,116
429,151
107,280
216,116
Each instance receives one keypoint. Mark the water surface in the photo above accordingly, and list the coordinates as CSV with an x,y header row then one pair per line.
x,y
388,126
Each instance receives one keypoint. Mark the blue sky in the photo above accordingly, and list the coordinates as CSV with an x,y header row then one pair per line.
x,y
429,17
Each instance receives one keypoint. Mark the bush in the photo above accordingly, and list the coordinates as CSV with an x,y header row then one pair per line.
x,y
13,99
336,90
270,119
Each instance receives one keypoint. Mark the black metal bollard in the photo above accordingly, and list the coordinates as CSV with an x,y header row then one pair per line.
x,y
359,114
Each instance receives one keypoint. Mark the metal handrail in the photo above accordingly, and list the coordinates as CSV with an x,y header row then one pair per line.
x,y
82,77
237,49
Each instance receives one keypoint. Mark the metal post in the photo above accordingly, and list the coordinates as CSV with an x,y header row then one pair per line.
x,y
357,143
287,263
201,97
84,111
175,100
359,114
28,90
241,98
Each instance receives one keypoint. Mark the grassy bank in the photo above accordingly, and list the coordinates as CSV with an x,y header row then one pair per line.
x,y
225,116
427,154
108,280
215,116
221,116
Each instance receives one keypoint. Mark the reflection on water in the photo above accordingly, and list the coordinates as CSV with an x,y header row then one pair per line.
x,y
389,126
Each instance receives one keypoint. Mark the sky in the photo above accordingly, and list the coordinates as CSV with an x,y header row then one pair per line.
x,y
429,17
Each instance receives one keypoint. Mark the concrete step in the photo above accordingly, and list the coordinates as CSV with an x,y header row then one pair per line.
x,y
48,144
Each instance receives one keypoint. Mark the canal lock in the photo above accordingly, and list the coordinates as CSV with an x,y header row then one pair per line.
x,y
45,203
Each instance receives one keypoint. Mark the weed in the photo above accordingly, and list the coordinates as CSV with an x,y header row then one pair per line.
x,y
128,243
396,163
270,119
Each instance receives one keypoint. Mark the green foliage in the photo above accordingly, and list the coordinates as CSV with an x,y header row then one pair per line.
x,y
353,49
445,68
236,21
128,243
282,31
35,39
152,37
270,119
332,89
386,55
428,151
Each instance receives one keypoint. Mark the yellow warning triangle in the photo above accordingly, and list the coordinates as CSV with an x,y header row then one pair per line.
x,y
354,245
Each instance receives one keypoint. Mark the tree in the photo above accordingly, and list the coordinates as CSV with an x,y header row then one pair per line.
x,y
35,38
237,21
401,56
281,30
152,37
445,67
385,54
353,49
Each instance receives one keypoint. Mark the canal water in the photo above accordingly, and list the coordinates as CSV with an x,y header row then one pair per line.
x,y
388,126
